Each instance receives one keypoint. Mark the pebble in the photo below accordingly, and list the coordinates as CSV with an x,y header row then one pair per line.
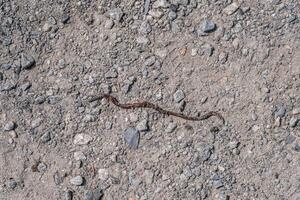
x,y
65,18
40,100
42,167
112,73
9,126
57,178
145,27
95,194
82,139
232,8
161,4
46,137
172,15
11,183
217,182
296,111
68,195
171,127
150,61
6,66
143,125
142,40
156,13
47,27
132,137
78,155
207,49
294,121
290,139
148,176
280,111
103,174
208,26
116,14
297,147
27,61
77,180
178,96
109,24
36,123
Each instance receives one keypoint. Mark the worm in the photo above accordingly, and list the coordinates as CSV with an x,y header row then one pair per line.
x,y
146,104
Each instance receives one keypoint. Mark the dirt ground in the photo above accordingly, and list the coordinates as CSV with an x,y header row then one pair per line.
x,y
59,140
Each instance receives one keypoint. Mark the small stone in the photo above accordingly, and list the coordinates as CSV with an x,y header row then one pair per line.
x,y
297,147
36,123
46,137
290,139
11,183
156,13
150,61
42,167
89,118
296,111
223,56
47,27
208,26
148,177
103,174
132,137
171,127
6,66
217,182
232,8
178,96
108,125
142,40
172,15
57,178
145,27
143,125
207,49
109,24
94,194
68,195
280,111
13,134
27,61
78,155
194,52
9,126
82,139
112,73
116,14
40,100
77,180
161,4
294,121
65,18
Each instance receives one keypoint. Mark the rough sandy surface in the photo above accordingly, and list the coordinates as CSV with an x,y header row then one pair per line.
x,y
240,58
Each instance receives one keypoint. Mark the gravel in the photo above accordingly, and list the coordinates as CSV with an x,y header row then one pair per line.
x,y
178,96
82,139
9,126
208,26
238,58
77,180
27,61
132,137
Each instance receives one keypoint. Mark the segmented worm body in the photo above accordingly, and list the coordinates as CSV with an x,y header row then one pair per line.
x,y
146,104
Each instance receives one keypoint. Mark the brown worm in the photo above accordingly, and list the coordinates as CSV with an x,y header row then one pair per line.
x,y
146,104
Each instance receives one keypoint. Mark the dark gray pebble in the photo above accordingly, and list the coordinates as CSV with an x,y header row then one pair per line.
x,y
132,137
27,61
